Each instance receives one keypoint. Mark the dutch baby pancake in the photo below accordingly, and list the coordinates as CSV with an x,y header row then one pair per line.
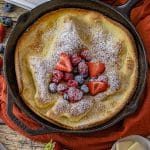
x,y
76,68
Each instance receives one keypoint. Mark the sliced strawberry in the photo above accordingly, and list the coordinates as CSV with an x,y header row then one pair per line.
x,y
2,32
97,87
96,68
64,63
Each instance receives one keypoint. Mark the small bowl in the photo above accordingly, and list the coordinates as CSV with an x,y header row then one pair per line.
x,y
135,138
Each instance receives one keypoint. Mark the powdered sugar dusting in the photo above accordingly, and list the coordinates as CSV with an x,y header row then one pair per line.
x,y
61,106
113,79
67,41
103,48
40,70
48,34
74,109
102,78
82,106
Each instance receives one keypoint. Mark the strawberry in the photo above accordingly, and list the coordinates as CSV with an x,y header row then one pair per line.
x,y
64,63
97,87
2,32
96,68
53,146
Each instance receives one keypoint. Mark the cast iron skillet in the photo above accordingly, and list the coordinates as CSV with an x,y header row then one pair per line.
x,y
120,14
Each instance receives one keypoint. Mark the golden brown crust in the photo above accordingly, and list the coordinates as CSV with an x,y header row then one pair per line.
x,y
128,71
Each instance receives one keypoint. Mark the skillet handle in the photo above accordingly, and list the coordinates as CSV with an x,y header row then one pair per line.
x,y
126,8
26,128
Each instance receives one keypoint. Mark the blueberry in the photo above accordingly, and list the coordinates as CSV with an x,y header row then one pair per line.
x,y
84,88
66,97
8,22
2,19
1,48
52,87
8,7
79,79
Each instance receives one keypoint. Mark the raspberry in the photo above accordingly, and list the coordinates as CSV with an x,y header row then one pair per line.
x,y
57,76
74,94
61,88
55,80
85,55
75,59
72,83
57,73
68,76
82,67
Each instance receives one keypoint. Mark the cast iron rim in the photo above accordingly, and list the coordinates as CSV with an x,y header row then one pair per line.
x,y
47,124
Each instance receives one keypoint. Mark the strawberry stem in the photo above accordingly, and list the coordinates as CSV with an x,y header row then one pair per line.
x,y
50,145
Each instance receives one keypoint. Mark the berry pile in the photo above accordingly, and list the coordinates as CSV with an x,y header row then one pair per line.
x,y
5,21
72,74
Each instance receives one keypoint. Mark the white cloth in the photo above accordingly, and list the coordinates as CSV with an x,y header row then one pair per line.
x,y
27,4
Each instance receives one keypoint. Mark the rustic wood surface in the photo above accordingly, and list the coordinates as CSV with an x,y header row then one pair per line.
x,y
14,141
9,138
